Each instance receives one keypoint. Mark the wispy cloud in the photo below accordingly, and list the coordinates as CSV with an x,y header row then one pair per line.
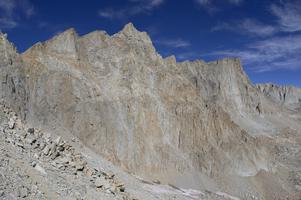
x,y
247,26
208,6
257,28
276,51
7,23
174,43
207,2
270,54
136,7
7,6
11,10
288,18
237,2
203,2
190,55
112,14
26,7
211,7
289,15
6,14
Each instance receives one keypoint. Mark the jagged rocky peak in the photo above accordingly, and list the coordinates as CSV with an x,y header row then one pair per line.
x,y
5,45
170,60
3,36
64,43
140,41
8,51
69,44
129,31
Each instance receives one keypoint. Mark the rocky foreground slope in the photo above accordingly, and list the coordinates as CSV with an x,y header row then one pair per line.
x,y
199,126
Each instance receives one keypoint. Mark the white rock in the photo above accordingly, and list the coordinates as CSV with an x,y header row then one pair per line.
x,y
58,140
19,144
40,169
46,150
11,123
33,163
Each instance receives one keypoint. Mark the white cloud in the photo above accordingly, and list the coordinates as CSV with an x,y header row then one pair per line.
x,y
270,54
26,7
191,55
136,7
211,6
204,2
275,52
7,6
175,43
7,23
112,14
208,6
257,28
208,2
237,2
154,3
289,16
247,26
279,45
11,10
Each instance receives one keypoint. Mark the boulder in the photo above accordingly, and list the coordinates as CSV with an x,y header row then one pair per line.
x,y
31,130
11,123
101,182
23,192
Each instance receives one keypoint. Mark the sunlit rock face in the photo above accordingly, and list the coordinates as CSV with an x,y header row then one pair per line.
x,y
191,124
286,95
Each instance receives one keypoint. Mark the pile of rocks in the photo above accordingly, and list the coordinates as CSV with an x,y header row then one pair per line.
x,y
58,153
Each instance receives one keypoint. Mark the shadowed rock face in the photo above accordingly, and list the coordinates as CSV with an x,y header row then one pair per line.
x,y
192,124
12,77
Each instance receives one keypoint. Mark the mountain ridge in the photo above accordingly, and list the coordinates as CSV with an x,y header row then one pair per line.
x,y
191,124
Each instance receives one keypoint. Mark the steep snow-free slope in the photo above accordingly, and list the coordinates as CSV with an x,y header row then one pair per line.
x,y
192,124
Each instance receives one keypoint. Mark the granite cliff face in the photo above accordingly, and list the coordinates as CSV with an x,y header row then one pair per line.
x,y
286,95
191,124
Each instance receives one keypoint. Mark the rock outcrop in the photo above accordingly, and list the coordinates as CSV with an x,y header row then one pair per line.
x,y
285,95
191,124
12,76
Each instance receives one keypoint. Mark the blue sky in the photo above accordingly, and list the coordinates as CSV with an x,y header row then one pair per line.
x,y
265,34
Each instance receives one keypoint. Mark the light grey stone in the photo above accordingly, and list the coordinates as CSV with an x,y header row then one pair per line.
x,y
101,182
11,123
23,192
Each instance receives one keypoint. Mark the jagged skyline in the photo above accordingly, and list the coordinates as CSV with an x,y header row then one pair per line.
x,y
170,130
264,34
